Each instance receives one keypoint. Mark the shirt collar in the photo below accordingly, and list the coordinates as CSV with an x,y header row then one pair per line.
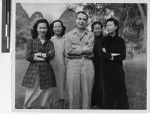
x,y
38,40
75,31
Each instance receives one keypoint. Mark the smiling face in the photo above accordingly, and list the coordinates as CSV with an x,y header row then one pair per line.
x,y
111,27
97,29
42,29
81,21
57,28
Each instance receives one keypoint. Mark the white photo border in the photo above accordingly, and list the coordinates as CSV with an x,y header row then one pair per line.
x,y
12,50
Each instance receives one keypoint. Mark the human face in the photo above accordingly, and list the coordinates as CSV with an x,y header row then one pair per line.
x,y
97,30
81,21
42,29
111,27
57,28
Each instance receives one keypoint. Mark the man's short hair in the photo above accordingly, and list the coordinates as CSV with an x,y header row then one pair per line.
x,y
82,12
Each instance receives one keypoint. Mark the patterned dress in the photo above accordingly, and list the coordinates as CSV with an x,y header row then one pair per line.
x,y
39,71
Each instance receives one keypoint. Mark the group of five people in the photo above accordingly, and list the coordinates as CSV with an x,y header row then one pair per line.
x,y
86,63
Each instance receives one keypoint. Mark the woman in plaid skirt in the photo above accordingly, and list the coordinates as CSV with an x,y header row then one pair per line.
x,y
39,79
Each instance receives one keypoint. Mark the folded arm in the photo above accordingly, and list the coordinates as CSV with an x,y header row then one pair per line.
x,y
122,55
39,56
70,48
88,48
103,52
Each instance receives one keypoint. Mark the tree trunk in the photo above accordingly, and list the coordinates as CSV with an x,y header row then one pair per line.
x,y
144,21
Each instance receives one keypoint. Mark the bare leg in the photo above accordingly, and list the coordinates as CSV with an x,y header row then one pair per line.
x,y
28,94
45,96
34,96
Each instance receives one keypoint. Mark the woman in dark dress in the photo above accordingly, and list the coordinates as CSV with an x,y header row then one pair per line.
x,y
113,51
39,79
97,91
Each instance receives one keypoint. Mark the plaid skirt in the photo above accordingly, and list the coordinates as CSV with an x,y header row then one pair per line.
x,y
41,70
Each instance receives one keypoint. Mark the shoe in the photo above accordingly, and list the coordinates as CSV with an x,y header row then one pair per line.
x,y
61,103
25,107
42,107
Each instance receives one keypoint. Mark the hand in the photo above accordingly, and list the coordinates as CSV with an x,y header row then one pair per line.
x,y
38,54
50,52
76,46
43,55
84,48
104,50
36,58
112,58
115,54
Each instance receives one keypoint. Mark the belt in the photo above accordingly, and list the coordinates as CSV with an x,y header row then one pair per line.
x,y
79,57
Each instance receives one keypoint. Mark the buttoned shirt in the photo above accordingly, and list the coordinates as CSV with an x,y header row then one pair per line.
x,y
79,44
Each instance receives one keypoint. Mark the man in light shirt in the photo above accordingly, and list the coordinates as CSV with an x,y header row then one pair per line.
x,y
80,70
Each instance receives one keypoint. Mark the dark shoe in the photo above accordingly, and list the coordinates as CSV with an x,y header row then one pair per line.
x,y
61,104
25,107
28,107
94,107
42,107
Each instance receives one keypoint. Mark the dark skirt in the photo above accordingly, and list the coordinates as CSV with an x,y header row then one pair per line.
x,y
113,86
97,90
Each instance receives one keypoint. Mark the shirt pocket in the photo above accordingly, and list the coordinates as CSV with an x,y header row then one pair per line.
x,y
75,40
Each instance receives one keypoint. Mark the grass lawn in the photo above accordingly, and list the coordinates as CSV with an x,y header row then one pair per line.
x,y
136,78
135,72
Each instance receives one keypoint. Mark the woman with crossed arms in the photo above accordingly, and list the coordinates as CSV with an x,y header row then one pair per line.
x,y
113,52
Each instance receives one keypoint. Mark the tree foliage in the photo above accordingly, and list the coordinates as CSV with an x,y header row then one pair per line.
x,y
132,17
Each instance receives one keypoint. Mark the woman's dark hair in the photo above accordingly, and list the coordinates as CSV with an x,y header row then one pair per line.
x,y
95,23
34,32
63,28
116,22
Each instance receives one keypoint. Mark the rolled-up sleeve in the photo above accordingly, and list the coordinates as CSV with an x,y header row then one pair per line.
x,y
70,49
88,48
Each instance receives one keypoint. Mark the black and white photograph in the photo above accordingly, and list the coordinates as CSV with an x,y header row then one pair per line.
x,y
82,55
